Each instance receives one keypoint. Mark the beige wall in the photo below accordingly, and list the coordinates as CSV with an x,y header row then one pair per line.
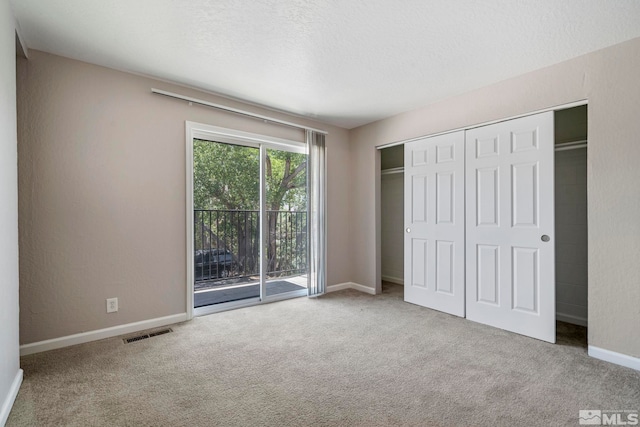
x,y
9,353
102,194
609,79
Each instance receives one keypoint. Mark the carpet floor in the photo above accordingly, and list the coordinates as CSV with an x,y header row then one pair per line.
x,y
344,359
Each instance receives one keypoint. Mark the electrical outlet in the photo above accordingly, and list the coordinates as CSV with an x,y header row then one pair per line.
x,y
112,305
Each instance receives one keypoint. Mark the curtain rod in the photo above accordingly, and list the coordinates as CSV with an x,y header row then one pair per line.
x,y
235,110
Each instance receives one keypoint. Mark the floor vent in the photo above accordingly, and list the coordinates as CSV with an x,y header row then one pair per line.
x,y
145,336
162,332
134,339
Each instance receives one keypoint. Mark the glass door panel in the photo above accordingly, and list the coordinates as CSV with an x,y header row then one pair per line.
x,y
286,212
226,218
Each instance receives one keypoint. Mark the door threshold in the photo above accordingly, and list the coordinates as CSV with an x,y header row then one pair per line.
x,y
250,302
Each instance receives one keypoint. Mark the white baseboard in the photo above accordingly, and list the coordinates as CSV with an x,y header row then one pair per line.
x,y
613,357
351,285
100,334
338,287
574,320
393,279
10,398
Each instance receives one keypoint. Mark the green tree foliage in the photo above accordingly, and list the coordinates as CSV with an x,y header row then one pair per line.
x,y
286,181
227,178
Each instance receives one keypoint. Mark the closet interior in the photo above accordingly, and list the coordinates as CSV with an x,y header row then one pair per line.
x,y
392,213
571,214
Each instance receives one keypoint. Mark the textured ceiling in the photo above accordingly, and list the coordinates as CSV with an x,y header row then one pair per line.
x,y
343,62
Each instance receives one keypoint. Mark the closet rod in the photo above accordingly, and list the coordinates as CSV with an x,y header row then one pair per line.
x,y
392,171
574,145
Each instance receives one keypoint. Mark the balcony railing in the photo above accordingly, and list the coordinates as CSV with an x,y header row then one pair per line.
x,y
226,244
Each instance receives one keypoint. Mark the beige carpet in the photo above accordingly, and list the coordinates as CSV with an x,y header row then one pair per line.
x,y
345,359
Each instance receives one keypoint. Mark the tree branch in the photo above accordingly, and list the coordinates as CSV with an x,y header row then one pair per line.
x,y
286,181
269,171
287,166
292,186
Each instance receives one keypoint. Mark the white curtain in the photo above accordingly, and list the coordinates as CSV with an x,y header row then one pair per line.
x,y
317,213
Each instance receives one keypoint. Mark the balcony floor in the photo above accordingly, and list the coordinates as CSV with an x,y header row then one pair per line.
x,y
240,291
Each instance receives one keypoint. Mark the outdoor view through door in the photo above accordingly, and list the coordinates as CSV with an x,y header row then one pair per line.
x,y
228,227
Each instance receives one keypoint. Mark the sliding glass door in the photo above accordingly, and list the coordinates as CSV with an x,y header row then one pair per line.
x,y
249,223
286,240
226,217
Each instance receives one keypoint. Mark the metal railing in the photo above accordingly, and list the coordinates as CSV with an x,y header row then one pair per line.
x,y
227,244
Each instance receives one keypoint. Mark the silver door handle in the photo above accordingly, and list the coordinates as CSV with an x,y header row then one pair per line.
x,y
545,238
408,230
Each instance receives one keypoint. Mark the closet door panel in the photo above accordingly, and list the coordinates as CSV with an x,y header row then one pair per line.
x,y
434,223
487,274
510,249
487,198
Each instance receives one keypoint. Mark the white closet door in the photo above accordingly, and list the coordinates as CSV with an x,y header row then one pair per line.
x,y
434,223
510,226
